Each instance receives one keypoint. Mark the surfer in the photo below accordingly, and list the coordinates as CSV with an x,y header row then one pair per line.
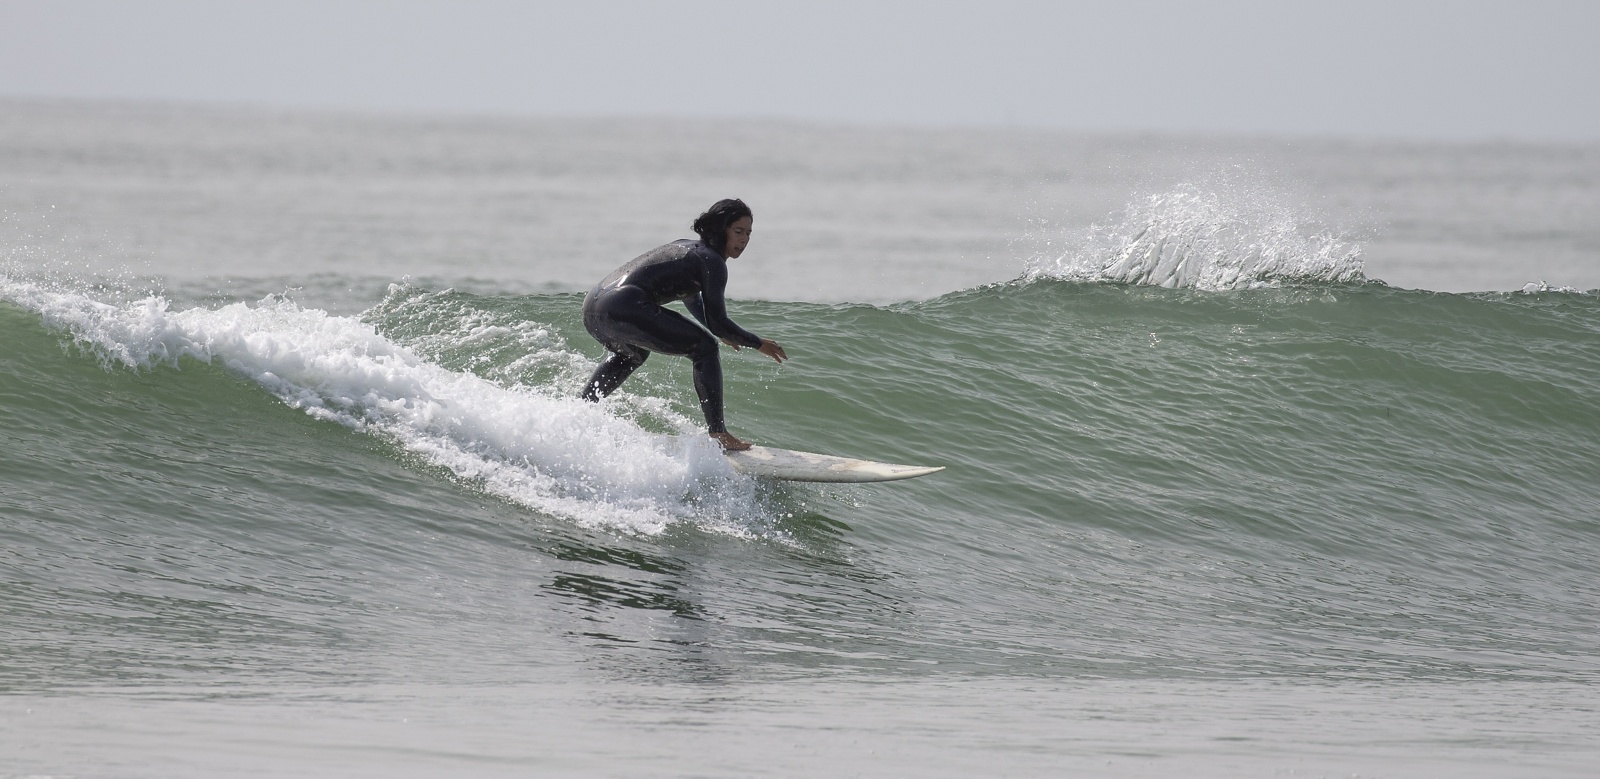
x,y
625,312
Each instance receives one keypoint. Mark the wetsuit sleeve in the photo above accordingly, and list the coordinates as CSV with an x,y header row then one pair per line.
x,y
712,311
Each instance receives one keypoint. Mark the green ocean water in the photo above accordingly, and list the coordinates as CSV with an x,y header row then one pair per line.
x,y
1333,481
295,482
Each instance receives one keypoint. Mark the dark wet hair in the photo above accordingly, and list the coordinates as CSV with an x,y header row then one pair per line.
x,y
712,226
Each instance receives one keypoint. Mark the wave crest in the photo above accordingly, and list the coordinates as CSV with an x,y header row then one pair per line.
x,y
1190,237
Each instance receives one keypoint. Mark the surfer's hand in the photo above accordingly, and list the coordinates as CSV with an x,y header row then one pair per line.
x,y
736,346
771,349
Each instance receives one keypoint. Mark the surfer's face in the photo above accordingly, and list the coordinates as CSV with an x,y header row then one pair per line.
x,y
738,236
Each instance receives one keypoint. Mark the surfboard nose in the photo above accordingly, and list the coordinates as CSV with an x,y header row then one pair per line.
x,y
789,465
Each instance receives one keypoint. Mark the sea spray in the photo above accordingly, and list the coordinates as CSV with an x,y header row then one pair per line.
x,y
1228,236
460,332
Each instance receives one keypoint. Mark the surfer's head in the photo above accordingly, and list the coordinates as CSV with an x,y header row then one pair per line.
x,y
725,226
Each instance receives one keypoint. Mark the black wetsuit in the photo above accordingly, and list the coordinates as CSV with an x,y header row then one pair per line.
x,y
624,313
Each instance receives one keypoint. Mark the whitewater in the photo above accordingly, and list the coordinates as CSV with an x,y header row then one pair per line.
x,y
1264,458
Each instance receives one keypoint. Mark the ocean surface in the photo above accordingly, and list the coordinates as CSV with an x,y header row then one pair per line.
x,y
1265,457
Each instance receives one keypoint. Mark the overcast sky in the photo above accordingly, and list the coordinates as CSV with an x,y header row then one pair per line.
x,y
1458,70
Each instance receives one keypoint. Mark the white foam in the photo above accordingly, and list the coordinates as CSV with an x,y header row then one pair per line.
x,y
1225,236
542,449
1537,287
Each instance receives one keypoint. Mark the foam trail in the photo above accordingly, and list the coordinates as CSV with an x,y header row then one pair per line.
x,y
559,455
1208,240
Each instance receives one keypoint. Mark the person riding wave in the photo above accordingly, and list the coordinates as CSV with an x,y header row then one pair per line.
x,y
626,312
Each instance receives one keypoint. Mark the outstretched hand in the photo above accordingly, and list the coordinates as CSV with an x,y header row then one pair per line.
x,y
771,349
768,347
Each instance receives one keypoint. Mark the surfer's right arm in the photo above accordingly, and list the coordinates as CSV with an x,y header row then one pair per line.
x,y
710,307
766,346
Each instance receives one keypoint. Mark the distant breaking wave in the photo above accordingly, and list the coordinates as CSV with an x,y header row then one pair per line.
x,y
1194,238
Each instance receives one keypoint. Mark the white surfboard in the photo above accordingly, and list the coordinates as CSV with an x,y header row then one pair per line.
x,y
807,466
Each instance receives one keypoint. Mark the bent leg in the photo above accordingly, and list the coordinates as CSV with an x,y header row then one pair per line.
x,y
666,331
613,370
708,383
632,327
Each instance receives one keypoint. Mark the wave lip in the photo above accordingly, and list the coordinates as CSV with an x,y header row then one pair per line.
x,y
1193,238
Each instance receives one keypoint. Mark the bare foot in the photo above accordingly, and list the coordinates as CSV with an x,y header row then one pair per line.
x,y
729,443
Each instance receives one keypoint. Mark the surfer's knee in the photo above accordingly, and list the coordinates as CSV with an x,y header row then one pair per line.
x,y
704,349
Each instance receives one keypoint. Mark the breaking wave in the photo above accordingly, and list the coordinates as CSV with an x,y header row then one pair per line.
x,y
1229,237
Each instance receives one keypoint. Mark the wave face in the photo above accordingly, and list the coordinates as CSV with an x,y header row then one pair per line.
x,y
1317,481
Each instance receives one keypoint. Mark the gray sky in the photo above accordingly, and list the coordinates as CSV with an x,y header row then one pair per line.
x,y
1459,70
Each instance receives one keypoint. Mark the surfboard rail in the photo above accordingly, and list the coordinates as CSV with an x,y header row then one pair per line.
x,y
789,465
